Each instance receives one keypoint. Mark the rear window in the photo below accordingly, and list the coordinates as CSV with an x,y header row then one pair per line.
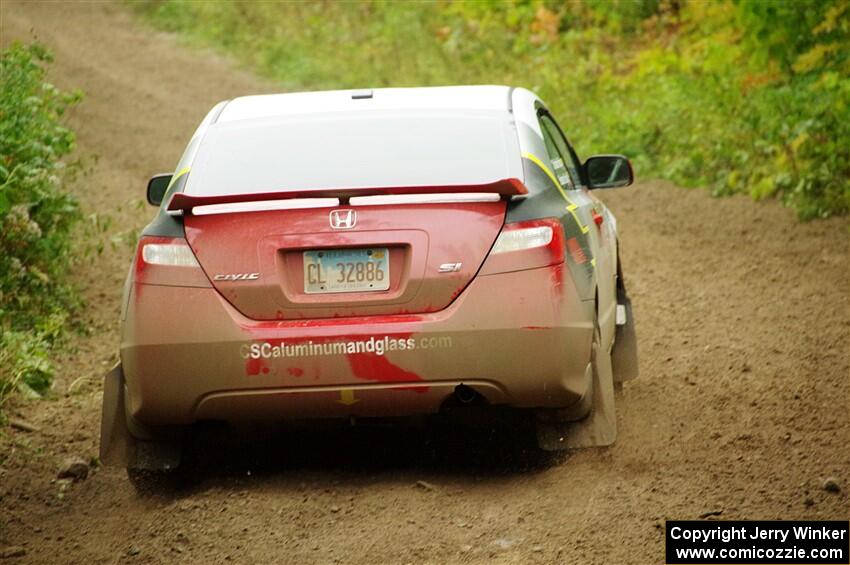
x,y
356,150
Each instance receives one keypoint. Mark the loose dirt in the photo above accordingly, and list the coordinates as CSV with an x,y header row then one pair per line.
x,y
741,410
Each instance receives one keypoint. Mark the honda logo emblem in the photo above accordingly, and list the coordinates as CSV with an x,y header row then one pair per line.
x,y
343,219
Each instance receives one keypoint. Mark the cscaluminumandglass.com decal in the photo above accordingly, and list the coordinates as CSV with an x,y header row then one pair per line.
x,y
758,542
376,345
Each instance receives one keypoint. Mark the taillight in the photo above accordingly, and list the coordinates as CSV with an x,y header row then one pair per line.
x,y
168,261
175,253
526,245
516,237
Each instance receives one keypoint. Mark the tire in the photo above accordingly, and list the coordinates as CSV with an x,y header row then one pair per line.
x,y
599,428
129,444
160,466
624,355
148,482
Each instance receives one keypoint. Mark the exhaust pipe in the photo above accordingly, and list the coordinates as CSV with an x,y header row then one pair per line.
x,y
467,395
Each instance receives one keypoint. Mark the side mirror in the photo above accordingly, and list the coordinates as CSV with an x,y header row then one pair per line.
x,y
608,171
157,187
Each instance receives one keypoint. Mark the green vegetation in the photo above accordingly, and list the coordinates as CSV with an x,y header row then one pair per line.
x,y
736,95
36,220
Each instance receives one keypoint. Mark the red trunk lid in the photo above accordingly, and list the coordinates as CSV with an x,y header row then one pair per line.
x,y
256,259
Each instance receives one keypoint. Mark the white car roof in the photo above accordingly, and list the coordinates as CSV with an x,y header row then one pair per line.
x,y
510,113
483,97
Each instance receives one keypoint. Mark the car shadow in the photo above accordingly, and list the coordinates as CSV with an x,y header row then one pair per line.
x,y
480,446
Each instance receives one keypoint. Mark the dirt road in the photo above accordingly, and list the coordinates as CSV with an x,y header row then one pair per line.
x,y
742,409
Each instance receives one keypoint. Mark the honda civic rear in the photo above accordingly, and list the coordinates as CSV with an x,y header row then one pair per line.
x,y
345,254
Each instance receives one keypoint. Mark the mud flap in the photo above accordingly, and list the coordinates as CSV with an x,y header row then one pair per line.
x,y
118,447
599,428
624,355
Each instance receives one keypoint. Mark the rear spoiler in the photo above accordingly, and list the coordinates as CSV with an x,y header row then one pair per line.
x,y
181,202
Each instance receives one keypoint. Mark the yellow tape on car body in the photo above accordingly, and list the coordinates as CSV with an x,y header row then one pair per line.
x,y
571,206
176,176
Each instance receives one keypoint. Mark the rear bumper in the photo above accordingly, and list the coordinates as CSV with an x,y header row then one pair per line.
x,y
521,339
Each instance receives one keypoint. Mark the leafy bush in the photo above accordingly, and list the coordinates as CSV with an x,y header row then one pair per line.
x,y
36,219
737,95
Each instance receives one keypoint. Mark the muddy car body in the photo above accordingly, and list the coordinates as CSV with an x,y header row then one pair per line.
x,y
373,253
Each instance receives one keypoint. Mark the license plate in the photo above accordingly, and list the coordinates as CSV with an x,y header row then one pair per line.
x,y
346,270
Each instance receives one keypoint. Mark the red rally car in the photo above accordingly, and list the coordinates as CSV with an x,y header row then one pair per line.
x,y
373,253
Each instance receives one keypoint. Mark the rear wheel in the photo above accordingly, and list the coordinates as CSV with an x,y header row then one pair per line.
x,y
153,481
152,462
624,355
599,427
159,465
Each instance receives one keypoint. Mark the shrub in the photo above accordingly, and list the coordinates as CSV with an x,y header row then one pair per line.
x,y
37,217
